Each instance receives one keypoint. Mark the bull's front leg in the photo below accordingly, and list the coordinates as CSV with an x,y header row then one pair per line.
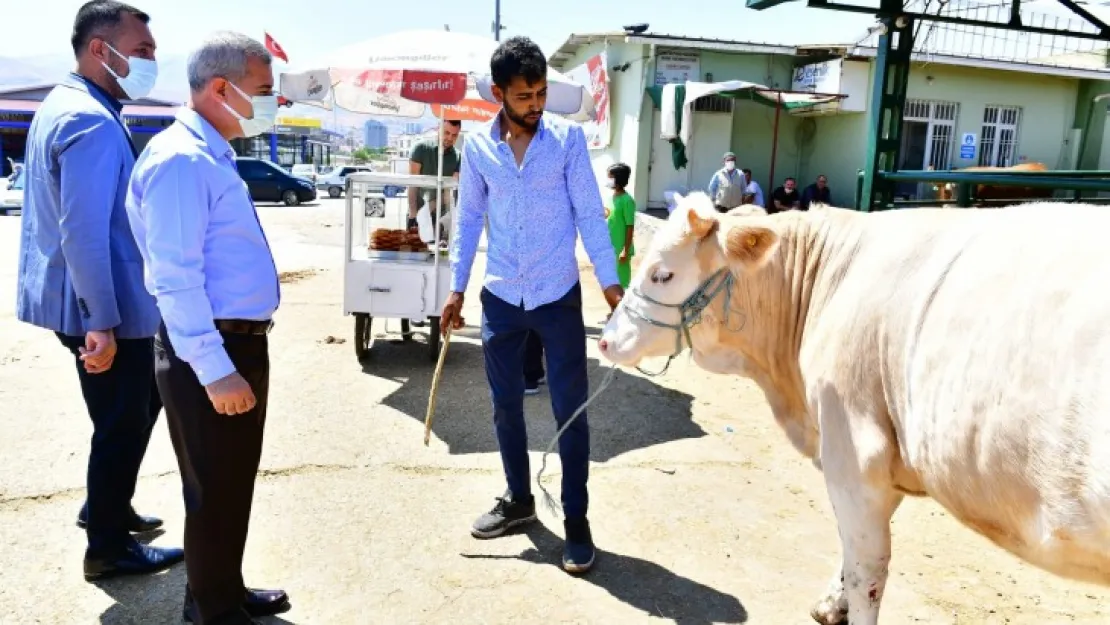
x,y
855,456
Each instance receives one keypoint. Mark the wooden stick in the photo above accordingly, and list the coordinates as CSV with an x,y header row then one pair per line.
x,y
435,386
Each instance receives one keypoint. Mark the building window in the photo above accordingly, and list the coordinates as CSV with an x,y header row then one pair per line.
x,y
998,140
928,131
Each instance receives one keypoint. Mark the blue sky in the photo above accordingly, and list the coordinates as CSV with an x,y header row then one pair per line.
x,y
310,28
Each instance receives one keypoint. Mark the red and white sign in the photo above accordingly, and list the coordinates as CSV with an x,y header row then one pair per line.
x,y
469,110
595,74
416,86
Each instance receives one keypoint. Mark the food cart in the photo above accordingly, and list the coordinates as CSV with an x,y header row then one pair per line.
x,y
389,272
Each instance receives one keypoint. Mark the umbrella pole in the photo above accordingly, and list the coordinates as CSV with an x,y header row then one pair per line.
x,y
439,184
775,140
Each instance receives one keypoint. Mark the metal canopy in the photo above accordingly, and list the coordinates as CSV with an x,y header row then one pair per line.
x,y
891,80
895,8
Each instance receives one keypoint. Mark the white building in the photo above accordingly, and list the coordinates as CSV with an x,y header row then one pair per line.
x,y
1031,108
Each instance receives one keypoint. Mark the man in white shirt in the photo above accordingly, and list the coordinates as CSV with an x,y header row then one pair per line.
x,y
754,191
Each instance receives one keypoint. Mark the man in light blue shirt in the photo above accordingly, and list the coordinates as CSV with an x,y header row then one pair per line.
x,y
80,273
210,268
531,176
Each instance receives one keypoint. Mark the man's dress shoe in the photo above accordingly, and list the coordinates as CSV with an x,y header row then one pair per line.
x,y
135,559
138,524
257,602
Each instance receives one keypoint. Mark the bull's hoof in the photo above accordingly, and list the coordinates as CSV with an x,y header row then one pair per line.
x,y
827,611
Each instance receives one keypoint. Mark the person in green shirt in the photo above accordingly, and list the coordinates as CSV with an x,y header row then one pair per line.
x,y
620,213
425,161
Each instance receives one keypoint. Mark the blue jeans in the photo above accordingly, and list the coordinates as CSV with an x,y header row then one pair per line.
x,y
560,327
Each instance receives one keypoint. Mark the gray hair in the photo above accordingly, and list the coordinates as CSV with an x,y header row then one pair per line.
x,y
224,55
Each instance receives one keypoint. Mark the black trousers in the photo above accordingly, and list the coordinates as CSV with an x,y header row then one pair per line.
x,y
218,456
123,404
533,358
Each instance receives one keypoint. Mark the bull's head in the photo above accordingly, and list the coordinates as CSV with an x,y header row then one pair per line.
x,y
690,285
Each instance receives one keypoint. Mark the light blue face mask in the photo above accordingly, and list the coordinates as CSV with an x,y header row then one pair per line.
x,y
264,113
140,78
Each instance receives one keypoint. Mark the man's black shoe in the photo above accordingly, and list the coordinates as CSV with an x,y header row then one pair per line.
x,y
138,524
135,559
257,603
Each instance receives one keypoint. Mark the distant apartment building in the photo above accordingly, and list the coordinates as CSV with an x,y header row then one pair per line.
x,y
375,134
413,128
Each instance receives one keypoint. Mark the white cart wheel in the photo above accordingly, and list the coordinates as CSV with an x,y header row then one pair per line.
x,y
363,337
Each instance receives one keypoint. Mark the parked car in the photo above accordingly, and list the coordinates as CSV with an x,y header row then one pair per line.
x,y
11,198
335,181
269,183
306,171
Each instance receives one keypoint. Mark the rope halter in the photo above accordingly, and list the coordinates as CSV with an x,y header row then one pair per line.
x,y
690,311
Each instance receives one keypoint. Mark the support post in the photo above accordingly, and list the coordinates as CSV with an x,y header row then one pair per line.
x,y
888,99
775,140
963,194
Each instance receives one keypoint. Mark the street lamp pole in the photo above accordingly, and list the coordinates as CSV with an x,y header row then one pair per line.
x,y
497,20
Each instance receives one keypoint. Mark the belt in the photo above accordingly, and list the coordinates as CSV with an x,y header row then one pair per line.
x,y
244,326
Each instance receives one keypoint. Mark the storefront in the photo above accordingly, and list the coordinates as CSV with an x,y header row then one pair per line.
x,y
145,118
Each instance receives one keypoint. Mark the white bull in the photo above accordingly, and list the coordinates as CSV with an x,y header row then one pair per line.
x,y
959,355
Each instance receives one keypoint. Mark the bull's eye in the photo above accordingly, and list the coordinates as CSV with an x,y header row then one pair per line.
x,y
662,276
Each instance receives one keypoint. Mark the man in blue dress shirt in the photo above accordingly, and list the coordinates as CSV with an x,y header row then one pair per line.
x,y
210,268
519,170
81,275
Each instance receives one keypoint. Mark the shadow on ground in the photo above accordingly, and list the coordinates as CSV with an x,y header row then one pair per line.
x,y
150,599
646,586
633,413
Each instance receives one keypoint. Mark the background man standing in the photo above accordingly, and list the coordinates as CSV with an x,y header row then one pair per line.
x,y
523,169
211,269
727,186
424,161
81,275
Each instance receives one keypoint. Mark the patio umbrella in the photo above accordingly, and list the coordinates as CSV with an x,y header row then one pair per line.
x,y
407,73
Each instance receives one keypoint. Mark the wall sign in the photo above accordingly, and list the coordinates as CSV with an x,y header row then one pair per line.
x,y
967,146
676,68
821,77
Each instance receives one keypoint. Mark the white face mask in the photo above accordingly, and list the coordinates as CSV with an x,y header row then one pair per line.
x,y
264,112
730,165
609,184
140,78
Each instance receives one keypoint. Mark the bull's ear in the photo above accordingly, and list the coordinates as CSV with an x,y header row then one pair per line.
x,y
750,245
701,227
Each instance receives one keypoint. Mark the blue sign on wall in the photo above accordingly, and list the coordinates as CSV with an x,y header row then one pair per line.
x,y
967,146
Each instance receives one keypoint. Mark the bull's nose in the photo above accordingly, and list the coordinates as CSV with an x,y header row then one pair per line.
x,y
603,345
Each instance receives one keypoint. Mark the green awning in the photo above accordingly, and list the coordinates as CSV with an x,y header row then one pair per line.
x,y
755,93
736,89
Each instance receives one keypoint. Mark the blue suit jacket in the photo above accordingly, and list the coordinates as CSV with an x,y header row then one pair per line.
x,y
79,267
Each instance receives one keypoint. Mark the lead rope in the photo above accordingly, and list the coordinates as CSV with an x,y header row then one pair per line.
x,y
548,500
690,312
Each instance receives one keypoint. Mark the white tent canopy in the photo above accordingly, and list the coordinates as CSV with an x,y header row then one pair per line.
x,y
402,73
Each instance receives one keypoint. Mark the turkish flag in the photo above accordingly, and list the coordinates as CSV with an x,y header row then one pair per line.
x,y
275,48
